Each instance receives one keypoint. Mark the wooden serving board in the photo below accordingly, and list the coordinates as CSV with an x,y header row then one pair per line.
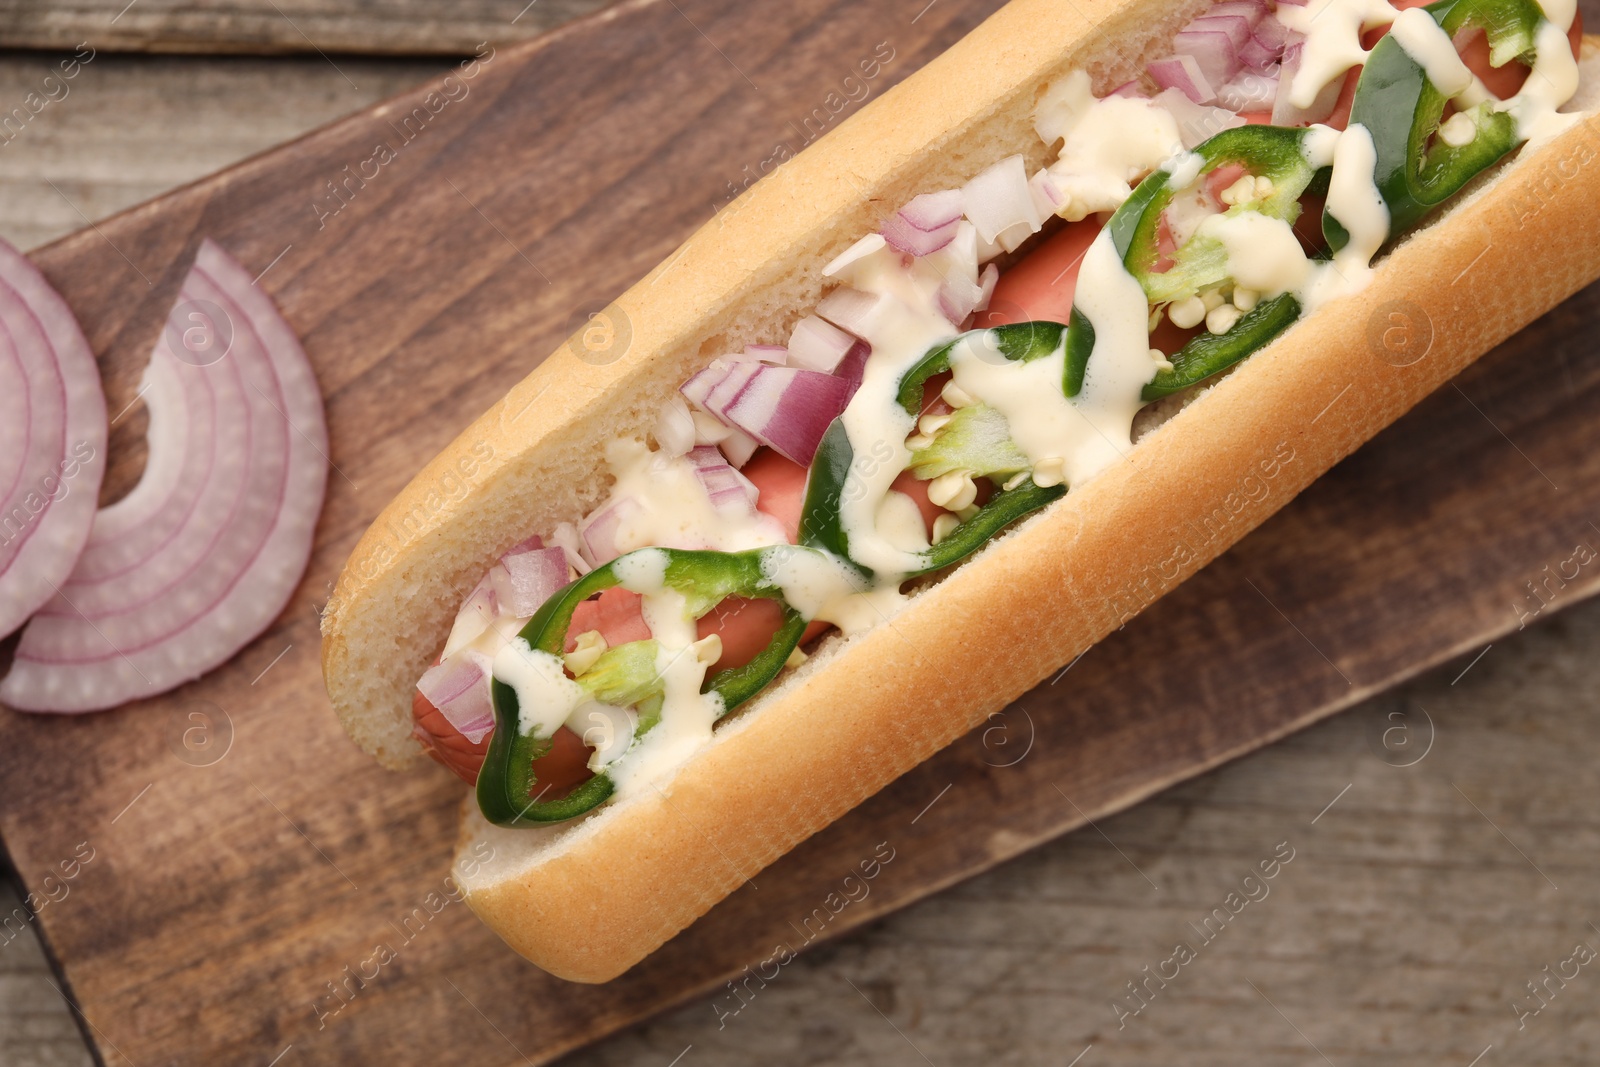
x,y
256,883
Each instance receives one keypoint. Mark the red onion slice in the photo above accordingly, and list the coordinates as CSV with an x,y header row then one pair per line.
x,y
1248,10
1000,204
1272,34
207,549
1250,91
738,446
816,344
52,439
986,282
958,298
861,313
1236,28
785,408
1196,122
1183,73
926,224
774,354
853,367
459,688
1213,50
727,488
1257,58
599,529
524,579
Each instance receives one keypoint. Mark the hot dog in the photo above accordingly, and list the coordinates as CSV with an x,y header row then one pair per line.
x,y
975,411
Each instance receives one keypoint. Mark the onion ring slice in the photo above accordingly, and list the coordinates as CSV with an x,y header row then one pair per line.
x,y
52,439
206,550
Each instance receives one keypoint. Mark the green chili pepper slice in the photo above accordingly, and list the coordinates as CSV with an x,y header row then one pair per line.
x,y
1273,152
507,790
1401,108
1209,354
821,524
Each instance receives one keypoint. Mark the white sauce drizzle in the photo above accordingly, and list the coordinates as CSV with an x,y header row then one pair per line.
x,y
687,715
1430,48
1552,82
1332,29
820,586
674,510
545,695
1110,143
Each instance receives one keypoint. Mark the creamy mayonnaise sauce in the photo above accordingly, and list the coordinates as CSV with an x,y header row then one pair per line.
x,y
1332,30
671,508
1109,144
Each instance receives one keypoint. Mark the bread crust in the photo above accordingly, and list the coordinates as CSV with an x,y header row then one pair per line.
x,y
588,902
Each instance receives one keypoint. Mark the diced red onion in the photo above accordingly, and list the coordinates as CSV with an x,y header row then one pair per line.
x,y
738,446
1000,204
599,529
524,580
868,245
674,429
475,615
934,211
1047,195
774,354
1196,122
785,408
1271,34
1236,28
1248,10
926,224
728,489
459,688
1183,73
1129,88
206,550
52,439
986,283
1249,92
853,367
958,298
853,311
817,344
565,537
699,386
907,238
1257,58
1212,50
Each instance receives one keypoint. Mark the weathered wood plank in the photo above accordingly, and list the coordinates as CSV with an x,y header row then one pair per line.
x,y
226,897
394,27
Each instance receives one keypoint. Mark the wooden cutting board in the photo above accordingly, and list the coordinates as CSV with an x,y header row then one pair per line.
x,y
255,883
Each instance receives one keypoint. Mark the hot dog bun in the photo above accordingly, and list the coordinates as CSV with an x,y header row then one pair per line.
x,y
587,900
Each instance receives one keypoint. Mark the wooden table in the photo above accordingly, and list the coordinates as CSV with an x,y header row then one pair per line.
x,y
1419,901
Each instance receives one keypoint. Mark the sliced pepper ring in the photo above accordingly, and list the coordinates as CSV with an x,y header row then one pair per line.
x,y
1275,152
506,784
821,525
1402,109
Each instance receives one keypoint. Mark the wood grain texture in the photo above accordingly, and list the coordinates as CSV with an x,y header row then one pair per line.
x,y
129,128
396,27
228,895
